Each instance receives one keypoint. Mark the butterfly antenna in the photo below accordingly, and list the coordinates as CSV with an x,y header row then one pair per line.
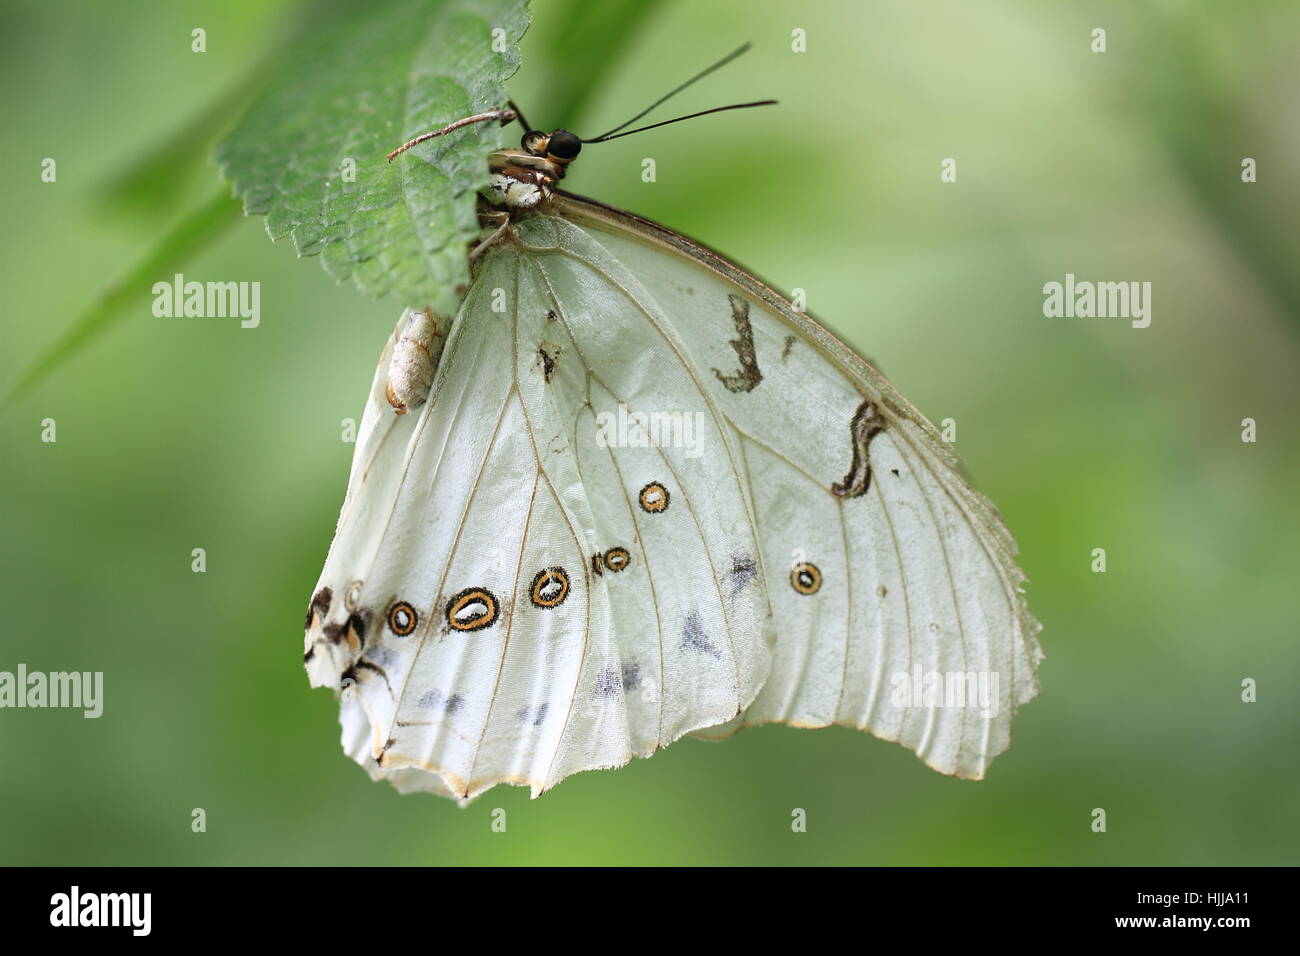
x,y
716,109
519,115
505,116
698,76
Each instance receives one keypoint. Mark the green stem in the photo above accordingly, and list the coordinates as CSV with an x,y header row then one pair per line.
x,y
187,238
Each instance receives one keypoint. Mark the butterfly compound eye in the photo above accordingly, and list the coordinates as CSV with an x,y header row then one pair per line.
x,y
534,142
564,145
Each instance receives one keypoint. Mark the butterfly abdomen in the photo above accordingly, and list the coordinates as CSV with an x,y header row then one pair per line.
x,y
415,359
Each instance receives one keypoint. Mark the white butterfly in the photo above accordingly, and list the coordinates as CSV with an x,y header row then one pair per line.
x,y
527,580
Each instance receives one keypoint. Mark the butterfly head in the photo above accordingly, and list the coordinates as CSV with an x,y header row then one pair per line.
x,y
560,147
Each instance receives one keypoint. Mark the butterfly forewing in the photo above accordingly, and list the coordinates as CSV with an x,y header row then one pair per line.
x,y
895,599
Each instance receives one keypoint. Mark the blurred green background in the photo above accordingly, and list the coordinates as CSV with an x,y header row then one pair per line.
x,y
177,434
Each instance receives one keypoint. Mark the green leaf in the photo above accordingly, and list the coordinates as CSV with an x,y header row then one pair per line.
x,y
361,85
194,232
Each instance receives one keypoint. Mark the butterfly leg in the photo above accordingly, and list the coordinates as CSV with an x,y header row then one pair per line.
x,y
493,237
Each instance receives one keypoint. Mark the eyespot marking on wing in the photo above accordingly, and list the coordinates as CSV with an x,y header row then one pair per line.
x,y
358,622
352,596
353,630
616,559
747,377
654,498
318,608
867,423
549,588
402,618
806,578
472,609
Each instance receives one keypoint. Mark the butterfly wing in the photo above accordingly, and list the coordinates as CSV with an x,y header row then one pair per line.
x,y
892,586
512,598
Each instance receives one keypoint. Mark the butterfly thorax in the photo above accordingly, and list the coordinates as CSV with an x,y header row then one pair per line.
x,y
521,180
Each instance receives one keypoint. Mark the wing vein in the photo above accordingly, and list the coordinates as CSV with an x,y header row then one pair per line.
x,y
718,417
505,646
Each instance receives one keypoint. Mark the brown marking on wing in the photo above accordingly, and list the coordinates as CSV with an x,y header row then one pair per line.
x,y
748,375
867,423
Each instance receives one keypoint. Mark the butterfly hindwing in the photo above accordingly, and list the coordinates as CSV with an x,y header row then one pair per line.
x,y
527,599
